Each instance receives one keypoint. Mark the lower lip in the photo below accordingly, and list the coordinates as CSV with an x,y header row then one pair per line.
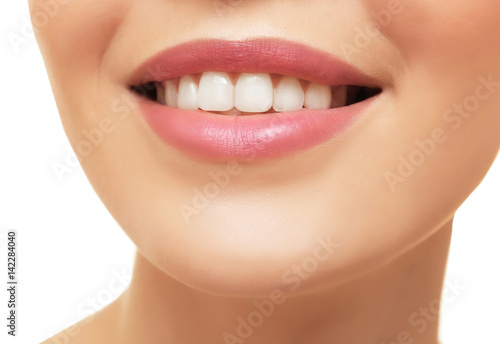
x,y
212,136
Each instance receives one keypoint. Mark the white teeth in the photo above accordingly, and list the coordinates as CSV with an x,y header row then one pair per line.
x,y
339,95
318,97
253,93
188,94
170,94
288,95
216,92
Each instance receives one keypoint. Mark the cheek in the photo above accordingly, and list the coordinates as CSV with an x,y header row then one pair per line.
x,y
73,41
79,30
450,49
459,29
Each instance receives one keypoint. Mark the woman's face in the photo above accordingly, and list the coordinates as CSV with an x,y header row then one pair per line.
x,y
302,218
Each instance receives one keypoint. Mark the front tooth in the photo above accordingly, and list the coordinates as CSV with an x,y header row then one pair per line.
x,y
288,95
318,97
339,96
253,93
170,94
215,92
188,94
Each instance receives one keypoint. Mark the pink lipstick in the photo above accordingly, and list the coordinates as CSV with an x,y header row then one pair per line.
x,y
262,135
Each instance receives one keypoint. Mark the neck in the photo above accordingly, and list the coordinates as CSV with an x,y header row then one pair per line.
x,y
395,303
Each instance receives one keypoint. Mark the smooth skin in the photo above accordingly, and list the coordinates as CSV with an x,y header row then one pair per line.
x,y
383,195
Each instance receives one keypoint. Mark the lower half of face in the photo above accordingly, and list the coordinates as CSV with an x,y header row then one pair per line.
x,y
405,143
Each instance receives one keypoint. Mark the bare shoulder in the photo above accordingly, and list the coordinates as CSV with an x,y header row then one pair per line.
x,y
97,328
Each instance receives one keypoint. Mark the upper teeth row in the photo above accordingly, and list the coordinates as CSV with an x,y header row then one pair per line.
x,y
252,93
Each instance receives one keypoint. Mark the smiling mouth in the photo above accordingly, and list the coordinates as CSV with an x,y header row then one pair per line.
x,y
259,98
250,93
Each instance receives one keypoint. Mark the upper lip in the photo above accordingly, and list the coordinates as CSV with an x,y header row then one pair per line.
x,y
262,55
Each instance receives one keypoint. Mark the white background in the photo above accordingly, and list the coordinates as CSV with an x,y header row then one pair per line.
x,y
74,258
